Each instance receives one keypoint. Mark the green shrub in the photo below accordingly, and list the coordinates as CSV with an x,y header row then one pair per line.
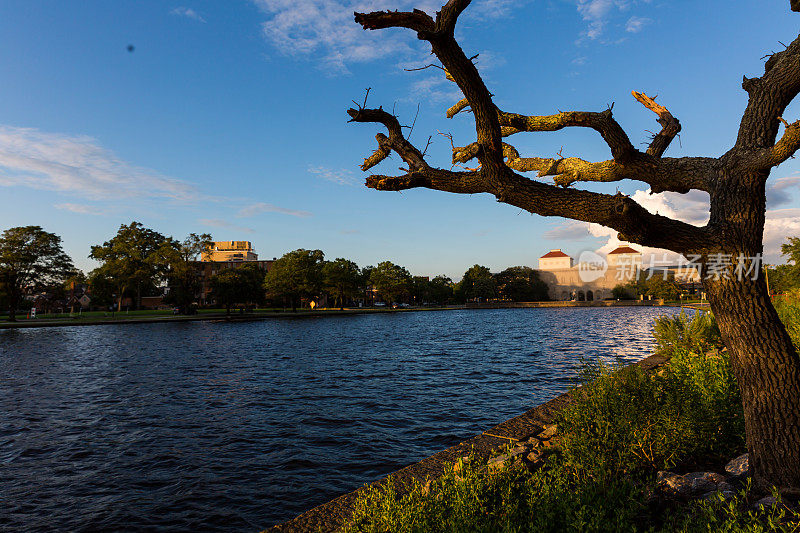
x,y
628,422
552,500
681,332
735,515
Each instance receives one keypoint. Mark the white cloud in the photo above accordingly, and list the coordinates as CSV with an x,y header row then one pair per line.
x,y
261,207
779,191
224,224
80,209
637,24
79,165
599,13
340,177
188,13
326,29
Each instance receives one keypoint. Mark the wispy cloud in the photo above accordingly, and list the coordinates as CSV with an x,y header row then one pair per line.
x,y
324,30
80,166
188,13
599,13
340,177
261,207
224,224
637,24
80,209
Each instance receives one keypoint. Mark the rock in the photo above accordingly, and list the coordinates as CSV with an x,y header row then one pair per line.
x,y
548,432
519,450
724,495
765,503
739,467
534,456
673,484
704,481
496,464
726,487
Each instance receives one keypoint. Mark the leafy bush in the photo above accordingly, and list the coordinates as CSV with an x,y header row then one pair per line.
x,y
679,333
628,422
552,500
734,515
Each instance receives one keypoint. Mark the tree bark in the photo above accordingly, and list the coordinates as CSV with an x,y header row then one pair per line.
x,y
767,368
763,357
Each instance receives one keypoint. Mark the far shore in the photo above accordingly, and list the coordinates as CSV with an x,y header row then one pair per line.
x,y
145,317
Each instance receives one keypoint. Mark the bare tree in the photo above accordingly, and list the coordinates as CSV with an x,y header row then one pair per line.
x,y
762,355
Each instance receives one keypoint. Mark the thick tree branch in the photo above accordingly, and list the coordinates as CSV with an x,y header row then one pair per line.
x,y
457,107
661,174
631,220
416,20
603,123
395,141
670,126
769,96
432,178
785,148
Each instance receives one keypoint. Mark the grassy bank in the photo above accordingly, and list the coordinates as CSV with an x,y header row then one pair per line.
x,y
624,427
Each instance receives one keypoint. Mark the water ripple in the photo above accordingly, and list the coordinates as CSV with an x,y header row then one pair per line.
x,y
219,426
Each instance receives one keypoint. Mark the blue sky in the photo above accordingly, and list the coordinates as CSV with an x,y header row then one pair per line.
x,y
229,118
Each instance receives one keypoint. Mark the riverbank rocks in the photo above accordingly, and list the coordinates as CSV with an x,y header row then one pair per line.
x,y
531,451
738,468
693,484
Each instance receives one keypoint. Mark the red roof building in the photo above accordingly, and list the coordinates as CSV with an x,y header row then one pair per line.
x,y
624,250
554,253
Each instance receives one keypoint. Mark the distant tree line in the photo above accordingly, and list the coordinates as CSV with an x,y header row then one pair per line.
x,y
138,262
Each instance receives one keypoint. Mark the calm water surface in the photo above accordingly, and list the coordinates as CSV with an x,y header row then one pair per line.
x,y
217,426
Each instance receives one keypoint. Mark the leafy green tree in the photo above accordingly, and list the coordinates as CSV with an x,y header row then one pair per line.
x,y
101,288
365,286
132,260
238,285
31,259
791,249
622,292
521,284
420,289
296,275
783,278
477,284
343,278
658,287
392,282
441,289
183,275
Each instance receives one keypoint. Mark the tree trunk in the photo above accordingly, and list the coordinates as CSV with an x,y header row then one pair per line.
x,y
767,368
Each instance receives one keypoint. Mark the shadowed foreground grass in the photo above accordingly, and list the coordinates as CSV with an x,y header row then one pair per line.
x,y
625,426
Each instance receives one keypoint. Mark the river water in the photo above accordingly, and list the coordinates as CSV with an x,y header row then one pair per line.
x,y
231,426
